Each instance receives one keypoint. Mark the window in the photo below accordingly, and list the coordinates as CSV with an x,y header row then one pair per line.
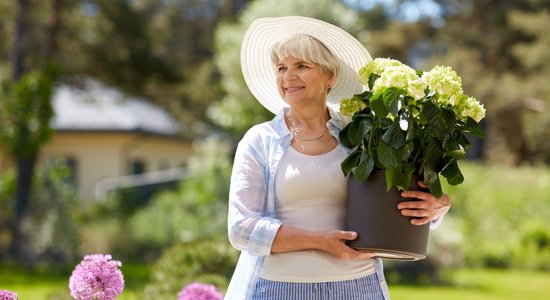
x,y
73,167
137,167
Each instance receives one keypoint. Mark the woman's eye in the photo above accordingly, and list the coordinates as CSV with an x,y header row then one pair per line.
x,y
303,66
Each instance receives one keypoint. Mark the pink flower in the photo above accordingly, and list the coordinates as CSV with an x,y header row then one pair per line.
x,y
96,277
199,291
7,295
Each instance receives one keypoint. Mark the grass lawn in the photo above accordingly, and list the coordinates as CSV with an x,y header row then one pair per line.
x,y
470,284
38,285
482,284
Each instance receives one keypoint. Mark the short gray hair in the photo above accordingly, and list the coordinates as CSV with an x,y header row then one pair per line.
x,y
307,48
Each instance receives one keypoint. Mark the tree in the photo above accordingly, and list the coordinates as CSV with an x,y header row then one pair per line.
x,y
497,47
25,114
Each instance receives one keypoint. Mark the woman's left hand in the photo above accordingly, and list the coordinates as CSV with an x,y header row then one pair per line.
x,y
427,209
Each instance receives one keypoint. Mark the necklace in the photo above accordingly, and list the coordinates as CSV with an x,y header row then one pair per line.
x,y
296,131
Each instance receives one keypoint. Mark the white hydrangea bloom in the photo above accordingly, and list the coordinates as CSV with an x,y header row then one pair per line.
x,y
470,107
445,82
376,66
403,77
349,106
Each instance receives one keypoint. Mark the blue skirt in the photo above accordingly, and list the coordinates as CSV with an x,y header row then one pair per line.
x,y
365,288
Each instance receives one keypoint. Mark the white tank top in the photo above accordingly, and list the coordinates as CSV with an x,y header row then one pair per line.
x,y
310,193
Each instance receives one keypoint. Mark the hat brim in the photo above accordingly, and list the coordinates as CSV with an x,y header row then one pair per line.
x,y
259,72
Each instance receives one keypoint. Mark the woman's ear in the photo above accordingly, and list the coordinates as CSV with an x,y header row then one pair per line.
x,y
330,84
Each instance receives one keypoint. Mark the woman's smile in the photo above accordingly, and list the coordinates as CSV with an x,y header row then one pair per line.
x,y
293,89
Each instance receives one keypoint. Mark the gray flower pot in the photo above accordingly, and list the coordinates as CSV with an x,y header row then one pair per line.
x,y
372,213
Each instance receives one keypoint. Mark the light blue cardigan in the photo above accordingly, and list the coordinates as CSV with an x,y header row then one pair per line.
x,y
252,223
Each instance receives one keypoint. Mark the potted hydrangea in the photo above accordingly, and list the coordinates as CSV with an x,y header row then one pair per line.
x,y
407,125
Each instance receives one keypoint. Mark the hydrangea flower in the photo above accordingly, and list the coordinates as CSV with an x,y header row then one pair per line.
x,y
199,291
376,66
445,83
96,277
7,295
349,106
469,107
403,77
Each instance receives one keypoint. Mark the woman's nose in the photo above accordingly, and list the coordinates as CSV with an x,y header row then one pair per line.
x,y
289,75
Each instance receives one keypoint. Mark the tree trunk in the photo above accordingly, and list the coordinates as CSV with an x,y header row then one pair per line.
x,y
20,41
25,171
25,166
55,25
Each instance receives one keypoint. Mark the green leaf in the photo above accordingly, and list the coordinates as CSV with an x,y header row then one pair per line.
x,y
372,78
392,98
431,179
411,131
463,141
358,130
351,162
388,156
399,178
394,136
343,135
435,188
407,150
439,119
377,105
430,176
365,167
434,156
453,148
453,174
474,128
389,177
409,169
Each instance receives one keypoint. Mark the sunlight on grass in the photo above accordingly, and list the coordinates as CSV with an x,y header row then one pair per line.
x,y
482,284
469,284
39,285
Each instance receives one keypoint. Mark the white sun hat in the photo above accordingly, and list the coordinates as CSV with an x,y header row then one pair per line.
x,y
258,69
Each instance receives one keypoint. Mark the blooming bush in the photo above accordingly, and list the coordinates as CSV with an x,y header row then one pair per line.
x,y
7,295
199,291
96,277
409,122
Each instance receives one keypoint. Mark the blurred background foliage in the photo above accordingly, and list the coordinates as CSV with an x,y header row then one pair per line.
x,y
184,56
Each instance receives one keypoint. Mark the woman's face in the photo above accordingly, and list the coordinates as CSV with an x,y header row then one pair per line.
x,y
301,82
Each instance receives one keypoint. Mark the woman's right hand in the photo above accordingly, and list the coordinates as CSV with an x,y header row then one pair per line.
x,y
290,238
334,242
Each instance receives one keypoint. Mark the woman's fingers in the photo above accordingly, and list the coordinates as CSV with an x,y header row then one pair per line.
x,y
427,209
336,245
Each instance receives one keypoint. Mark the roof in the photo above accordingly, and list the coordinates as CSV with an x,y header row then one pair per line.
x,y
96,107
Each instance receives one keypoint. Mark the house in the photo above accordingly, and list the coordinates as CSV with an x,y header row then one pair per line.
x,y
110,140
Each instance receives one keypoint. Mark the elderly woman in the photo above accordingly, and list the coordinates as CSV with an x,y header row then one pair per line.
x,y
288,193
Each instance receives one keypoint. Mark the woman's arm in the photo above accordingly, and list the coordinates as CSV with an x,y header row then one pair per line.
x,y
249,228
290,238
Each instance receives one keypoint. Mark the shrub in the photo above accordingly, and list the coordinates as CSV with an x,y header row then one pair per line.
x,y
209,261
49,225
500,218
197,209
